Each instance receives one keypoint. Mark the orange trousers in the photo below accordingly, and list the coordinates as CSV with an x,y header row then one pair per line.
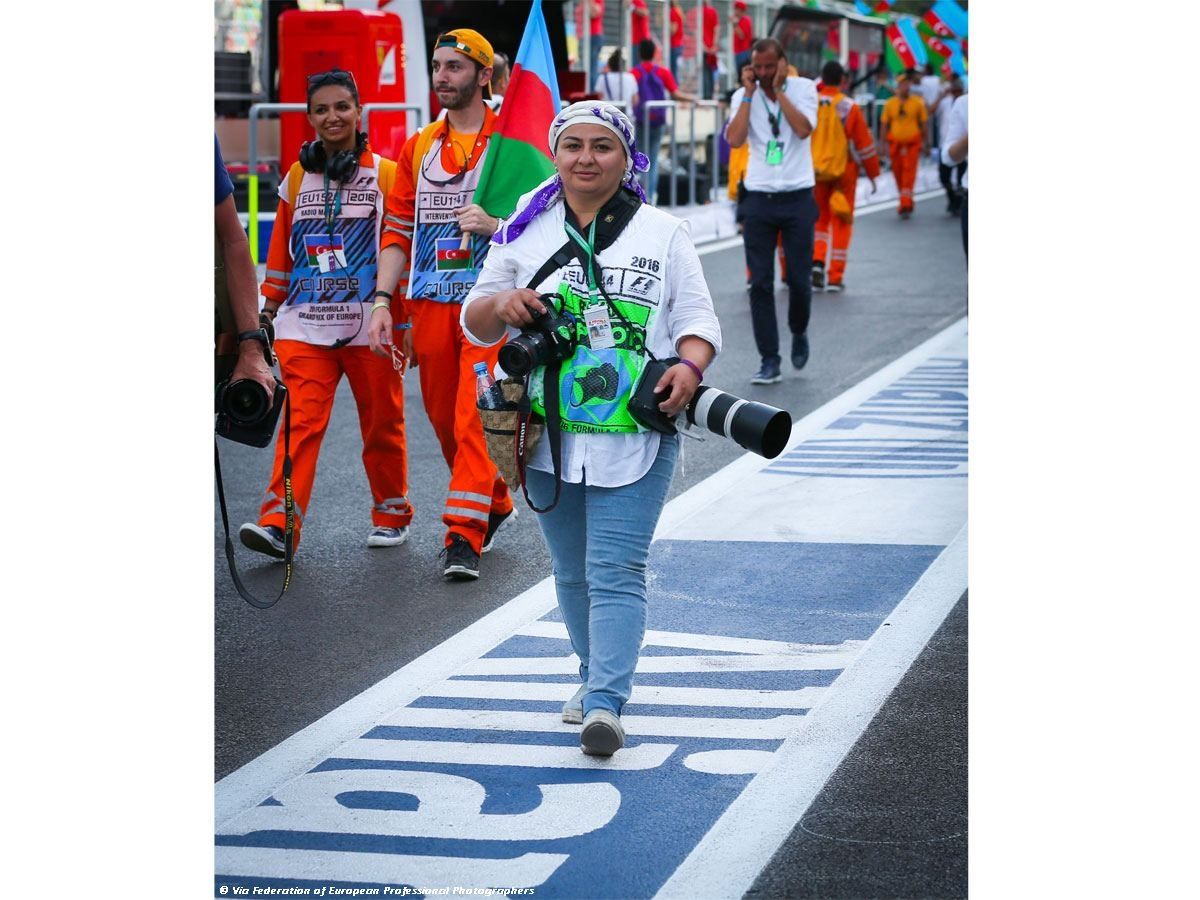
x,y
311,374
445,361
905,159
830,226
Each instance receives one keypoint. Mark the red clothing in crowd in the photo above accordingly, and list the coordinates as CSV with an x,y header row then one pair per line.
x,y
597,18
711,23
664,75
641,21
676,27
743,35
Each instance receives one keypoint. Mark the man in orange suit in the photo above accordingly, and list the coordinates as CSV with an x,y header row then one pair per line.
x,y
907,122
435,233
835,199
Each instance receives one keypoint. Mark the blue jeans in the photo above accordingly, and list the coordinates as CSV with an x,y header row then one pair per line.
x,y
791,214
650,146
599,540
676,54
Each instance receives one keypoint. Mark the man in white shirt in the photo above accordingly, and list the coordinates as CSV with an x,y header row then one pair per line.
x,y
930,88
954,150
776,114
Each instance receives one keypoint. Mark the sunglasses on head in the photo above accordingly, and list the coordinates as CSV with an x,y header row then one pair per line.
x,y
333,76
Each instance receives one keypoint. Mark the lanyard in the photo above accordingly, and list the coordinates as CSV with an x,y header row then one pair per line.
x,y
772,117
588,244
331,214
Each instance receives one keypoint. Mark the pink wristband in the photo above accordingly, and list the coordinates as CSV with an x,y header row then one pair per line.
x,y
695,368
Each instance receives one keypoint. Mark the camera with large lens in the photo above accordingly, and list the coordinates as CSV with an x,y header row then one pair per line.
x,y
246,414
550,337
757,427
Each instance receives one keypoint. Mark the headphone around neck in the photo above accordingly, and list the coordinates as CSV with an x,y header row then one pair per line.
x,y
339,167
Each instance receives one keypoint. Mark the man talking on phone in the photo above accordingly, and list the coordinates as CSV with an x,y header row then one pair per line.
x,y
776,113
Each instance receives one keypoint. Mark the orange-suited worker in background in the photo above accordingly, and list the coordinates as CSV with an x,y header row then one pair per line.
x,y
907,122
835,197
432,229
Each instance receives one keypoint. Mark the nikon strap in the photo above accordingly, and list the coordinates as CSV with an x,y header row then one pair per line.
x,y
289,513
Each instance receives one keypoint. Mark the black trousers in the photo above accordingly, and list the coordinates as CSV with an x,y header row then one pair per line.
x,y
963,215
953,193
766,216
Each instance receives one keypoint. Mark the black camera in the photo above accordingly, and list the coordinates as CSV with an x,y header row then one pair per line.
x,y
244,412
549,337
759,428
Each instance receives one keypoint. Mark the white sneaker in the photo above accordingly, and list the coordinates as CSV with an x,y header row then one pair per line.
x,y
383,536
602,734
572,711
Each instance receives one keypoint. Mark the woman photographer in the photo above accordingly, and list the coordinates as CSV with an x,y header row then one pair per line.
x,y
637,292
321,271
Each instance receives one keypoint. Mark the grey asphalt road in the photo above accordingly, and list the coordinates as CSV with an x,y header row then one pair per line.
x,y
354,615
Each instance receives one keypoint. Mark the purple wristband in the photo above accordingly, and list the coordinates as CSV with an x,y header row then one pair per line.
x,y
695,368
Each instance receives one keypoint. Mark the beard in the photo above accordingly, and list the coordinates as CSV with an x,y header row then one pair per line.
x,y
462,97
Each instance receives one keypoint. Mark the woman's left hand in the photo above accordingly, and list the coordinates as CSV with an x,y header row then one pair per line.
x,y
683,383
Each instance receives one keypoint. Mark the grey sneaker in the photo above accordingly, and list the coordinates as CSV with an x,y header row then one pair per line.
x,y
572,712
602,734
384,536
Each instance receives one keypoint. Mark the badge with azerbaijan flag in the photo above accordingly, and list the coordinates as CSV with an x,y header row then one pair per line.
x,y
326,252
452,256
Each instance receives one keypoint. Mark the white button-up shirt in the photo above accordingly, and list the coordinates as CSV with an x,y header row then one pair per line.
x,y
796,170
609,460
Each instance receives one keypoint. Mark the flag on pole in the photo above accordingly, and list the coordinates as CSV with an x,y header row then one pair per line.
x,y
958,60
876,9
908,29
948,15
935,49
899,54
518,158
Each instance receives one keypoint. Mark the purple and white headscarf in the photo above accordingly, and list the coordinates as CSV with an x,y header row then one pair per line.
x,y
549,192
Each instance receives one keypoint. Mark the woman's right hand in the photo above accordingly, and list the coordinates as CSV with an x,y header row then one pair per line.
x,y
514,307
379,332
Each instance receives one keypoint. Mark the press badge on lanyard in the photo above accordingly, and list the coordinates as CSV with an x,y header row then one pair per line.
x,y
599,327
774,147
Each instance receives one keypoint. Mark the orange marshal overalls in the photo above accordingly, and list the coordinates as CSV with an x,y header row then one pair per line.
x,y
317,308
858,136
905,123
441,264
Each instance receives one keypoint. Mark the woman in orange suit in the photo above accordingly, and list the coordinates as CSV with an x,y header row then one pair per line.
x,y
321,271
907,124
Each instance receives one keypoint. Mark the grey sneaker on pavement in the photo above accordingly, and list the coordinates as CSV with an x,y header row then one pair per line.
x,y
602,734
265,539
385,536
572,712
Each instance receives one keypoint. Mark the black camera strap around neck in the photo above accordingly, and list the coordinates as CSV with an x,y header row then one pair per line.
x,y
289,514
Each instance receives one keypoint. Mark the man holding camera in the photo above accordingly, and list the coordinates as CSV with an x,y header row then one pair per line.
x,y
775,114
433,230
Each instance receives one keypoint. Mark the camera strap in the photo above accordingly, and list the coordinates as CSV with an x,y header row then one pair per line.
x,y
289,513
561,257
